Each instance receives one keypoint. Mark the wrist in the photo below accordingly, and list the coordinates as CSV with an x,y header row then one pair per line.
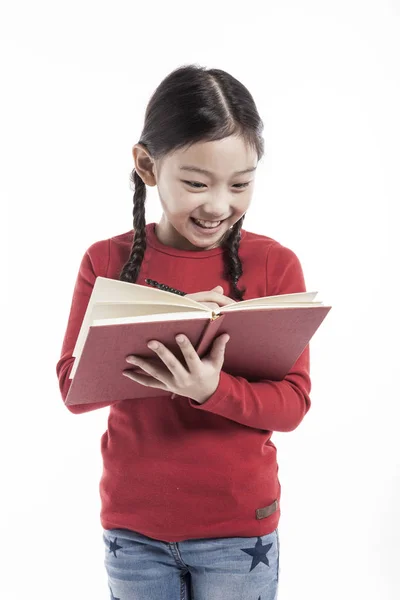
x,y
202,399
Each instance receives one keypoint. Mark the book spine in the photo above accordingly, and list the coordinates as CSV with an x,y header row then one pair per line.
x,y
209,334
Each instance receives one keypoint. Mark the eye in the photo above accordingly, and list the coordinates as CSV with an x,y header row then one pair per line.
x,y
194,183
197,183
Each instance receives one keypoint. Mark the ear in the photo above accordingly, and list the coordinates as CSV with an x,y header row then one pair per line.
x,y
144,164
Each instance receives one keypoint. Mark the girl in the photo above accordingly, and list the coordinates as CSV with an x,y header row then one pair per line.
x,y
190,495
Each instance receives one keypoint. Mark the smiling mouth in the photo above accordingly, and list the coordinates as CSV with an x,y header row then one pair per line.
x,y
207,224
210,220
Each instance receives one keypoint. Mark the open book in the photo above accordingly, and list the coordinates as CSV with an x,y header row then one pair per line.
x,y
267,335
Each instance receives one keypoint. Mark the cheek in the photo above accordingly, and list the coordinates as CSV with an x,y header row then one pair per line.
x,y
173,201
244,201
241,202
183,203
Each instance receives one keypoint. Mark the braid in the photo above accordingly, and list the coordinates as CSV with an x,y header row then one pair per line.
x,y
233,265
131,269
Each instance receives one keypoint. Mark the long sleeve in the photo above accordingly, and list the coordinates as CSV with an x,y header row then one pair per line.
x,y
268,404
93,263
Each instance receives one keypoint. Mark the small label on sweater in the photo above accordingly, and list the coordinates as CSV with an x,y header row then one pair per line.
x,y
261,513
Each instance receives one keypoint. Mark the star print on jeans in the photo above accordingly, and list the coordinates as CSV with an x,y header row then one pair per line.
x,y
114,547
259,553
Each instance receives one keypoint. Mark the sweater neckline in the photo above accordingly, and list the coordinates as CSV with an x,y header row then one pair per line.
x,y
154,242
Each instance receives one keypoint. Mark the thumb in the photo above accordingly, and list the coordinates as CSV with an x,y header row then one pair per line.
x,y
218,289
217,352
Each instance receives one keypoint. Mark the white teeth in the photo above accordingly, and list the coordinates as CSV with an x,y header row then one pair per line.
x,y
208,224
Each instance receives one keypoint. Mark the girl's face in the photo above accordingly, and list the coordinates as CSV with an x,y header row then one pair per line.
x,y
219,195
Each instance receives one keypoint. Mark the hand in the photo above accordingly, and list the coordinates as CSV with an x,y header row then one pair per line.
x,y
199,381
213,298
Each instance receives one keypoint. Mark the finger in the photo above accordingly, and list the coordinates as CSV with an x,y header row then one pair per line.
x,y
217,352
174,366
221,299
150,369
192,359
146,380
212,305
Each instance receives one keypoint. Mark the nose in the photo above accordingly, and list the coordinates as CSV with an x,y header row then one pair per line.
x,y
217,209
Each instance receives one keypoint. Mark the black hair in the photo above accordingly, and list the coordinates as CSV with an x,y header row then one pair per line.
x,y
194,104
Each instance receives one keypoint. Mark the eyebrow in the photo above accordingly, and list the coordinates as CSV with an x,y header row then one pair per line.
x,y
205,172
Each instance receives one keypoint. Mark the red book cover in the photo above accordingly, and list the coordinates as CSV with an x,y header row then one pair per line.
x,y
265,342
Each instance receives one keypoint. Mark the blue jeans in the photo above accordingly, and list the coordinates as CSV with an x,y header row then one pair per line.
x,y
238,568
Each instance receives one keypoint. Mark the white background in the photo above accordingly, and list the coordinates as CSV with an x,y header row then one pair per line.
x,y
76,78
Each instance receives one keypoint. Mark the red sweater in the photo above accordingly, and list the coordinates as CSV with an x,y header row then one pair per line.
x,y
176,469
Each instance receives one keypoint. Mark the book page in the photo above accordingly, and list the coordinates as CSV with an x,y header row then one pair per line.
x,y
145,318
284,300
112,290
118,310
